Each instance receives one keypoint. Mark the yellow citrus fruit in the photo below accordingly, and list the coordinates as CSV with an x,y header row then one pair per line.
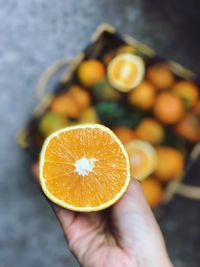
x,y
142,96
170,163
168,108
125,72
189,127
126,49
51,122
65,105
125,134
187,91
142,158
90,72
89,115
153,191
80,96
160,76
151,131
84,168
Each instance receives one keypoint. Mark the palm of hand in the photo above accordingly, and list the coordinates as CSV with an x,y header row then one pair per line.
x,y
94,244
124,235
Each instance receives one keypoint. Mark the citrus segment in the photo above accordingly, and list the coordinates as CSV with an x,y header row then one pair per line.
x,y
125,72
84,168
142,158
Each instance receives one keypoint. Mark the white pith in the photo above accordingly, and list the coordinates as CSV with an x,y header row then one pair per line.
x,y
84,166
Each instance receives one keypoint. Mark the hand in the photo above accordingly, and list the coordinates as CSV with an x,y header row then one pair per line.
x,y
124,235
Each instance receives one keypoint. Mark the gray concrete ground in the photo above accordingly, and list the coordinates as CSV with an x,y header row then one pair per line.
x,y
35,33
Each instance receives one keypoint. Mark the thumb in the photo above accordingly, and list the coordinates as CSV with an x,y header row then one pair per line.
x,y
135,225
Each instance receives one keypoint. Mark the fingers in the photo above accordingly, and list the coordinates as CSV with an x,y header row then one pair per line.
x,y
134,200
133,220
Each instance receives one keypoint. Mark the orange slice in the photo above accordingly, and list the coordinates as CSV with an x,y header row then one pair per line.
x,y
84,168
142,158
125,72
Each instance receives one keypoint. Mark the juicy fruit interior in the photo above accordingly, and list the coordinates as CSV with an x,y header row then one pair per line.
x,y
126,74
84,167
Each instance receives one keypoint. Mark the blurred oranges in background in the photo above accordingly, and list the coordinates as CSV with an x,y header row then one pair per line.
x,y
153,191
151,110
160,76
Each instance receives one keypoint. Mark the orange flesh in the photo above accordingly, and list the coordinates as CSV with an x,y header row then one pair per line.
x,y
125,71
139,162
101,184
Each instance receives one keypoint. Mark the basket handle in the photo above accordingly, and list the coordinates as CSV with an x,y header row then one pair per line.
x,y
48,73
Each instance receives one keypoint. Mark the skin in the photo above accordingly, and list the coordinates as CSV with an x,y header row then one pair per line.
x,y
126,234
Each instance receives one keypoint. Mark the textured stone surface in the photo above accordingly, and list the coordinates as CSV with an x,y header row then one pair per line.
x,y
35,33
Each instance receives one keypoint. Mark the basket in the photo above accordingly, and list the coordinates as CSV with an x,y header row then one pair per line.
x,y
105,39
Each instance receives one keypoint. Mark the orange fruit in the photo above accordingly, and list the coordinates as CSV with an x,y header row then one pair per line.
x,y
51,122
142,158
187,91
151,131
65,105
90,71
126,49
168,108
153,191
125,72
125,134
142,96
84,168
196,108
170,162
160,76
80,96
89,115
189,128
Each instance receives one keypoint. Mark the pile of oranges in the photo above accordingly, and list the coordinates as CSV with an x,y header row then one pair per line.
x,y
160,109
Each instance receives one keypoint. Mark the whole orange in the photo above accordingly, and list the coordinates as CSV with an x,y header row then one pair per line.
x,y
90,71
142,96
125,134
196,108
65,106
153,191
80,96
189,127
168,108
160,76
187,91
170,162
151,131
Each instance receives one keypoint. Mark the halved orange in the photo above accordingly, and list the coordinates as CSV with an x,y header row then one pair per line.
x,y
84,168
153,191
125,72
142,158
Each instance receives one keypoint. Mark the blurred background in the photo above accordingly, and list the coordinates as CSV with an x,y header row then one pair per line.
x,y
33,35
